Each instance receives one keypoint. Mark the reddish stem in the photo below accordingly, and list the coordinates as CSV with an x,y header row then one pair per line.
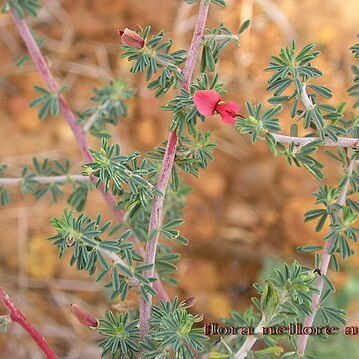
x,y
77,131
157,204
69,116
17,316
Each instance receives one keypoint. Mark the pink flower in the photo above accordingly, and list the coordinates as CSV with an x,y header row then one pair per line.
x,y
84,317
131,38
207,102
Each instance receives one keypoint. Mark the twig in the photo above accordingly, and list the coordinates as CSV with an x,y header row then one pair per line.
x,y
325,261
17,316
87,126
342,141
157,204
222,37
250,341
44,179
70,118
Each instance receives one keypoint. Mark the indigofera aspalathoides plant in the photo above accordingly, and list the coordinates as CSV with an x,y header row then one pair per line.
x,y
147,195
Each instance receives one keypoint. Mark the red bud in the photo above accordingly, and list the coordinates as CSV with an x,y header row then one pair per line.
x,y
131,38
84,317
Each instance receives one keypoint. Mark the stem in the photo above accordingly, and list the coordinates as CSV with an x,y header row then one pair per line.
x,y
157,204
222,37
167,64
44,179
342,141
307,102
70,118
249,342
17,316
87,126
325,261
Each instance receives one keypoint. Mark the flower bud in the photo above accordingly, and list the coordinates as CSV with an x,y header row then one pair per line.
x,y
84,317
189,302
131,38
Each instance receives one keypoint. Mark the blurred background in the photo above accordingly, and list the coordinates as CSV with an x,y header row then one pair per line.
x,y
245,213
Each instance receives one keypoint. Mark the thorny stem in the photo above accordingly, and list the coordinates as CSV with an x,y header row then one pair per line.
x,y
325,261
157,204
70,118
17,316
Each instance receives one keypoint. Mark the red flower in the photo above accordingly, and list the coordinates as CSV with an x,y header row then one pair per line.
x,y
207,102
84,317
131,38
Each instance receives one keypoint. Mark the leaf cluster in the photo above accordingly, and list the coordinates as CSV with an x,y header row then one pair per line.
x,y
294,72
30,183
110,106
172,333
122,174
156,55
84,237
22,7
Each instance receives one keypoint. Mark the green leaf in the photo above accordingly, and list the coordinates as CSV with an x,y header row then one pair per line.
x,y
244,26
309,248
321,90
48,102
220,3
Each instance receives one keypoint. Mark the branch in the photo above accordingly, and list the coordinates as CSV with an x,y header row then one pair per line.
x,y
325,261
157,204
250,341
17,316
222,37
44,179
70,118
342,141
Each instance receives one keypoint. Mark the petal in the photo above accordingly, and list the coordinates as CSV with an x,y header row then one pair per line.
x,y
228,112
206,101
